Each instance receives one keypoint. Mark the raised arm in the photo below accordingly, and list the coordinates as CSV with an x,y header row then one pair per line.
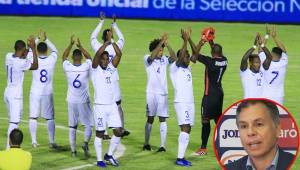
x,y
96,59
50,44
121,39
32,45
184,36
244,61
276,40
117,58
268,60
173,56
195,49
94,41
84,52
155,52
265,39
68,49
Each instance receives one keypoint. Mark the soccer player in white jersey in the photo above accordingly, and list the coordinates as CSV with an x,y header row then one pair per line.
x,y
274,77
157,90
105,107
16,64
252,77
112,53
41,92
181,77
78,96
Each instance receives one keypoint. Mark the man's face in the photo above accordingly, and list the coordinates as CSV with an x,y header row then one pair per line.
x,y
255,64
104,61
161,52
258,133
186,59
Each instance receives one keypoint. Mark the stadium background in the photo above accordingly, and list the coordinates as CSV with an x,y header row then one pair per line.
x,y
235,38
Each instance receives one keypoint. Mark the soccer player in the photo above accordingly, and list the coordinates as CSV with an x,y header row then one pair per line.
x,y
41,92
15,157
275,76
157,90
16,63
105,107
212,100
78,96
181,77
112,53
252,78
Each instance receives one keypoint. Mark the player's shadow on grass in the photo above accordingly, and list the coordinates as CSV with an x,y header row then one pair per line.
x,y
60,148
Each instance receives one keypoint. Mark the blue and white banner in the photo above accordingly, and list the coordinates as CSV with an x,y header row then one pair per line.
x,y
272,11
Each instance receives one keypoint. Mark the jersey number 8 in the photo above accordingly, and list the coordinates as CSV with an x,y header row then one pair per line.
x,y
43,77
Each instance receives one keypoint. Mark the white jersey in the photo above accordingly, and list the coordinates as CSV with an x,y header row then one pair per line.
x,y
110,49
157,75
274,77
102,82
182,83
78,81
252,83
15,68
42,78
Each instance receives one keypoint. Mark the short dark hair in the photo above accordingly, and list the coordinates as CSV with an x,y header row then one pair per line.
x,y
19,44
16,137
272,109
277,51
104,34
42,47
154,43
77,53
104,52
252,57
217,48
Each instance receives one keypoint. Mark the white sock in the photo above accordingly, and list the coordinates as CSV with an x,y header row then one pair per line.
x,y
163,133
114,142
51,130
72,139
87,133
11,127
148,128
183,141
98,148
121,113
33,130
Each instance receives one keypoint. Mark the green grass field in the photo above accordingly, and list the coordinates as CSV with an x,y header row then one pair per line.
x,y
236,38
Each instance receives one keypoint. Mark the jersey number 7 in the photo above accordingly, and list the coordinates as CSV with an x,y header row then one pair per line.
x,y
276,75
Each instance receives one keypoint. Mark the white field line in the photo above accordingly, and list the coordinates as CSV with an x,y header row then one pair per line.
x,y
120,150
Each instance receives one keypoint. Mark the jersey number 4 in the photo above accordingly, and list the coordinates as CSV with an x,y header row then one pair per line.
x,y
276,75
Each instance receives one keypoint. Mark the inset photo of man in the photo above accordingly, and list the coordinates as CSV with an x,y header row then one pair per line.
x,y
256,134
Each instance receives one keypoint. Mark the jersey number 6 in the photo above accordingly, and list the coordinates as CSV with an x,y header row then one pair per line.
x,y
76,82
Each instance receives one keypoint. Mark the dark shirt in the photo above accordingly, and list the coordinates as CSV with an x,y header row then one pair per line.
x,y
214,71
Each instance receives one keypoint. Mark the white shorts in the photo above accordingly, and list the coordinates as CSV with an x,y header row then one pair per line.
x,y
116,91
106,114
157,105
15,108
185,113
41,104
81,112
